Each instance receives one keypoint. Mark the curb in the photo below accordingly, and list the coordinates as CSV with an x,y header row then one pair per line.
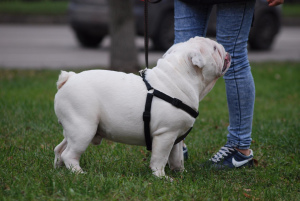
x,y
290,21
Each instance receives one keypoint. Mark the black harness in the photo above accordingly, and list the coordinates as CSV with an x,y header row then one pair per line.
x,y
147,113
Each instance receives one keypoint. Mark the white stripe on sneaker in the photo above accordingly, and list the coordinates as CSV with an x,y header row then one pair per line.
x,y
240,163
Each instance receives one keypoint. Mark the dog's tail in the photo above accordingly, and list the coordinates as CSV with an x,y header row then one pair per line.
x,y
63,78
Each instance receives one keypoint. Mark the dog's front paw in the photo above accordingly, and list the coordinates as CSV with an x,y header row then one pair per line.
x,y
166,178
169,179
161,175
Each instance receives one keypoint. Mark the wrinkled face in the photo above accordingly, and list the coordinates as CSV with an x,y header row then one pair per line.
x,y
205,54
208,57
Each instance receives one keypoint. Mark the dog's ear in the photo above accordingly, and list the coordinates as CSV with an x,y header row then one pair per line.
x,y
197,59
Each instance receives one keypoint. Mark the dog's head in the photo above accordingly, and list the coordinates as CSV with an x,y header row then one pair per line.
x,y
207,57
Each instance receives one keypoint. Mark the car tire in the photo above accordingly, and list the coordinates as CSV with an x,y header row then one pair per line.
x,y
263,32
88,40
164,38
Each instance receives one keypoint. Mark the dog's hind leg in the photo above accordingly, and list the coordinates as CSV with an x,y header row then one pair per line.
x,y
79,135
57,151
176,161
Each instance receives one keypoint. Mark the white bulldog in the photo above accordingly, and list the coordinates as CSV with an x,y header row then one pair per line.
x,y
98,104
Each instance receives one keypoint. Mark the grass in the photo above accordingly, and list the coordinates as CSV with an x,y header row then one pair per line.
x,y
29,132
291,9
34,7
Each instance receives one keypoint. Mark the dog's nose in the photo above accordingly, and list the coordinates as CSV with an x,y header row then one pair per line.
x,y
228,56
227,62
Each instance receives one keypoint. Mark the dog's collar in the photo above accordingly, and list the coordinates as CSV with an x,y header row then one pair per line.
x,y
147,113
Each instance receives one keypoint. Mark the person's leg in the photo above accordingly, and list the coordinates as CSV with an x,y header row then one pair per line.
x,y
233,26
190,20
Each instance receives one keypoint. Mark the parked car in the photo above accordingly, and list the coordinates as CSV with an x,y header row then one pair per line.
x,y
90,21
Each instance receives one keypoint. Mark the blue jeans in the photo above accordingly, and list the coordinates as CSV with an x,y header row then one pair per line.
x,y
233,27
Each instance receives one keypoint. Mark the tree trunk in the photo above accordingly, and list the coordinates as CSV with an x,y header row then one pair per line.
x,y
123,51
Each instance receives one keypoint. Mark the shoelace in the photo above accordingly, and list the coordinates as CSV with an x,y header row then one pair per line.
x,y
224,151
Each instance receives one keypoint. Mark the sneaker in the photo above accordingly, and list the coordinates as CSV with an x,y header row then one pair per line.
x,y
228,157
185,152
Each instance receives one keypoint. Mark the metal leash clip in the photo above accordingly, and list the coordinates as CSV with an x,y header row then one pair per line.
x,y
142,72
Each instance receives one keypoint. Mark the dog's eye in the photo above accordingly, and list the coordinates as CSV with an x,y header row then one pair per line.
x,y
215,48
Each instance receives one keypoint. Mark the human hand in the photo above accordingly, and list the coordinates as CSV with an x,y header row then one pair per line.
x,y
275,2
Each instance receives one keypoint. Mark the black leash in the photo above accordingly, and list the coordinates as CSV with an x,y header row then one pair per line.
x,y
146,37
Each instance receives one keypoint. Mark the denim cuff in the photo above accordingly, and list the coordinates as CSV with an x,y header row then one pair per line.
x,y
241,146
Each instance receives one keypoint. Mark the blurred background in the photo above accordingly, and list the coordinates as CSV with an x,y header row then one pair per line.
x,y
62,34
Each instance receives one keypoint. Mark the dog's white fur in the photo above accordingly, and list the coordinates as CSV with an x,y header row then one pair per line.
x,y
105,104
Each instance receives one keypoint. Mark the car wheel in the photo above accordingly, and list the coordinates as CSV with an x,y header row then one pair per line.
x,y
88,40
263,32
164,38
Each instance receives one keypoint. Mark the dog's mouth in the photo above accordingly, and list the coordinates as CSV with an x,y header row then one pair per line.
x,y
227,62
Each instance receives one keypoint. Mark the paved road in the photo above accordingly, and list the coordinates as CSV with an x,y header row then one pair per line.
x,y
36,46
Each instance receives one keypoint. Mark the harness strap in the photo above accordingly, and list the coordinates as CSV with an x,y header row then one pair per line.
x,y
176,102
183,136
147,113
146,119
142,73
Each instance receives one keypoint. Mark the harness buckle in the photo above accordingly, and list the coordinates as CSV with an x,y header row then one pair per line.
x,y
176,102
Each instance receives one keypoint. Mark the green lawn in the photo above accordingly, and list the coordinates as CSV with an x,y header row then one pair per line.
x,y
291,10
34,7
29,132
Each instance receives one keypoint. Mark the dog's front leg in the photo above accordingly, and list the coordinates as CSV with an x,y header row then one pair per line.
x,y
176,161
161,148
